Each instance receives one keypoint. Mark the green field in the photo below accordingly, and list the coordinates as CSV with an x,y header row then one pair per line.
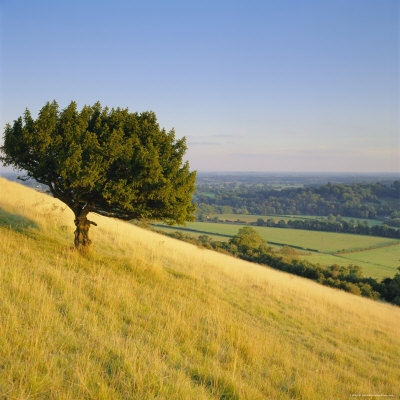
x,y
322,246
328,242
378,263
386,257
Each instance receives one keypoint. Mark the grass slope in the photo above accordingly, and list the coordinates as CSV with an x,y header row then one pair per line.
x,y
144,316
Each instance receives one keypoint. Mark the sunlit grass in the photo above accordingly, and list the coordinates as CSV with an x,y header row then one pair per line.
x,y
143,316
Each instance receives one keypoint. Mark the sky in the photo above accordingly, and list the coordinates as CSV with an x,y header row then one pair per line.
x,y
253,85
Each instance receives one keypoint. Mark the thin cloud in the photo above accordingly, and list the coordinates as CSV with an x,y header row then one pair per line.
x,y
223,135
317,153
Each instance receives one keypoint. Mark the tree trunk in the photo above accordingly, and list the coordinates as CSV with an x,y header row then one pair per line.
x,y
82,241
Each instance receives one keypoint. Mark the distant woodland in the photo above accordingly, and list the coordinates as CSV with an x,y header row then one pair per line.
x,y
339,203
371,200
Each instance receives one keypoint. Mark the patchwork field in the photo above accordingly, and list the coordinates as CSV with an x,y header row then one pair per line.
x,y
383,257
143,316
379,262
379,267
329,242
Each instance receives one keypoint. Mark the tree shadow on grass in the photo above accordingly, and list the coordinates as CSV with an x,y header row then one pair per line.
x,y
16,222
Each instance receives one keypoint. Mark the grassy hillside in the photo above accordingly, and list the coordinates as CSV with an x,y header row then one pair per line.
x,y
144,316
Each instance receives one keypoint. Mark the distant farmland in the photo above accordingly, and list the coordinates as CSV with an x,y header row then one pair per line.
x,y
253,218
379,257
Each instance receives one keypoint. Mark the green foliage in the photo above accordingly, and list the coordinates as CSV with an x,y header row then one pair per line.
x,y
289,252
392,289
111,162
247,240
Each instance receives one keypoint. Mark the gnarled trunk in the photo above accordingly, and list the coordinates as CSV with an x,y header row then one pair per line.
x,y
82,241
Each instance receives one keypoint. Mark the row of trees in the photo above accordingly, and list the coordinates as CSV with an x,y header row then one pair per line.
x,y
249,245
394,219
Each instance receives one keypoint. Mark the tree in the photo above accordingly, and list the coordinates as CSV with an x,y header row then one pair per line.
x,y
247,240
110,162
392,288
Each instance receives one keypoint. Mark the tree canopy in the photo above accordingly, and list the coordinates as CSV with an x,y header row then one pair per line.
x,y
107,161
247,240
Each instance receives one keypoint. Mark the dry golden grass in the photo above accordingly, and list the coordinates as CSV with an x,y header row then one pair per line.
x,y
143,316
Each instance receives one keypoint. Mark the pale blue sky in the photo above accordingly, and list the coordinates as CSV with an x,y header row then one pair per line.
x,y
253,85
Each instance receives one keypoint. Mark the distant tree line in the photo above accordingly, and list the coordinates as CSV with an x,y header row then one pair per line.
x,y
394,219
358,200
247,244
